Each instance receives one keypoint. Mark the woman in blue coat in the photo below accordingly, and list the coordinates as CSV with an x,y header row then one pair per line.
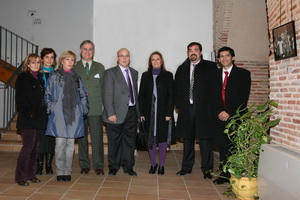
x,y
67,104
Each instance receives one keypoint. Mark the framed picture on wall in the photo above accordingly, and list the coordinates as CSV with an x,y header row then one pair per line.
x,y
284,41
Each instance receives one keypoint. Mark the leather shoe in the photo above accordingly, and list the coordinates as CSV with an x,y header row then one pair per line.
x,y
60,178
130,172
161,170
84,171
112,172
153,169
207,175
184,172
99,171
220,181
23,183
67,178
35,180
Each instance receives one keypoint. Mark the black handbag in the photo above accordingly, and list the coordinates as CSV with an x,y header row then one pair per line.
x,y
141,140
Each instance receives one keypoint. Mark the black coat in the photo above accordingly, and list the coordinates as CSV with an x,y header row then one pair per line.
x,y
200,102
237,94
30,102
165,103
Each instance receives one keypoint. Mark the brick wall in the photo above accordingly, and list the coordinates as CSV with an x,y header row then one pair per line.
x,y
285,76
259,69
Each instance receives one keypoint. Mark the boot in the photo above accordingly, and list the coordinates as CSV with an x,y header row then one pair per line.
x,y
40,161
48,166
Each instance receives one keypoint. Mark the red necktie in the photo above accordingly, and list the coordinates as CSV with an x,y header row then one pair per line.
x,y
224,88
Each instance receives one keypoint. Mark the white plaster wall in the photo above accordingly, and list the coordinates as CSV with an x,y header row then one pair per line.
x,y
65,23
145,26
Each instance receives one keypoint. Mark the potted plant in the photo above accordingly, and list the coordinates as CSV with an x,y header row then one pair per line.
x,y
247,131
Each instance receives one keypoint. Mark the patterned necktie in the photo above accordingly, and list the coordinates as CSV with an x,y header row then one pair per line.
x,y
87,69
224,88
191,93
129,86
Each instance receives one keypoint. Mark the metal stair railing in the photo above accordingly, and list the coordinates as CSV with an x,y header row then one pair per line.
x,y
13,51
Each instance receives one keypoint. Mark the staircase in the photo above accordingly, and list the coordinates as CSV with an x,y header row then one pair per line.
x,y
13,50
11,140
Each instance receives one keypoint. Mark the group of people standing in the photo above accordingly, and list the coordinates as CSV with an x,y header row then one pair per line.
x,y
57,106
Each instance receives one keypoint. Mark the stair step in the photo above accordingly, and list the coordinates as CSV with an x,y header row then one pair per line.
x,y
11,135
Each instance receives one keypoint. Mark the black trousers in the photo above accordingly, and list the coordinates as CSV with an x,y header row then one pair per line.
x,y
121,142
26,164
189,148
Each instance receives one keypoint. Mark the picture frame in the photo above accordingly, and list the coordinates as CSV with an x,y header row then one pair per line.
x,y
284,41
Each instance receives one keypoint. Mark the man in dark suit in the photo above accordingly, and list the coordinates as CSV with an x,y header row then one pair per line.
x,y
191,101
230,88
121,113
91,74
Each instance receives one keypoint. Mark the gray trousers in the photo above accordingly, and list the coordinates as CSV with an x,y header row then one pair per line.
x,y
96,132
64,151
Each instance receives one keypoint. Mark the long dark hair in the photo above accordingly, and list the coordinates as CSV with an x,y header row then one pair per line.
x,y
150,67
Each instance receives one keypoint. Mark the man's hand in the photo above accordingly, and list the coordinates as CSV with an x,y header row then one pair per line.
x,y
223,116
112,118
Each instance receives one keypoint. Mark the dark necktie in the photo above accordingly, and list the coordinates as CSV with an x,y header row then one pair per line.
x,y
224,88
191,93
129,86
87,69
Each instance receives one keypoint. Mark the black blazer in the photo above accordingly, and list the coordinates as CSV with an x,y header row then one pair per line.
x,y
237,94
165,102
30,102
201,100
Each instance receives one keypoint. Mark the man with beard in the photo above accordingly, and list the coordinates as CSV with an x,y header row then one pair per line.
x,y
191,101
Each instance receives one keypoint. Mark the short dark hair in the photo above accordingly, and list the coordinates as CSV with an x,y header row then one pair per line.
x,y
46,51
194,43
231,51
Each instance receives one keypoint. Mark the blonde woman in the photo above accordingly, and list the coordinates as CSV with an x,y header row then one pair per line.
x,y
67,104
32,118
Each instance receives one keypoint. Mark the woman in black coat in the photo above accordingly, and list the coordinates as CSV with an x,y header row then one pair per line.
x,y
156,107
32,117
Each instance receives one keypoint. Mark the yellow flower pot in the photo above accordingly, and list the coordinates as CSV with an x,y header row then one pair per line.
x,y
243,188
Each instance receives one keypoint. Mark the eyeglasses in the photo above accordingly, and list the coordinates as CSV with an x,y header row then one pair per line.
x,y
126,56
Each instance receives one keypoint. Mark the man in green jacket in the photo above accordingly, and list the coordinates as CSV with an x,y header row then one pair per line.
x,y
91,73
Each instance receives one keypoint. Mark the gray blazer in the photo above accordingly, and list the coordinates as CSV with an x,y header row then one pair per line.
x,y
115,94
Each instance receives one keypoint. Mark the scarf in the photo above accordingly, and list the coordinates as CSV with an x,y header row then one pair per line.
x,y
156,71
45,70
35,74
70,92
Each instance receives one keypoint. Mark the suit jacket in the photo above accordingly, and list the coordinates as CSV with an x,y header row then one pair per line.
x,y
165,101
93,85
116,94
237,94
201,100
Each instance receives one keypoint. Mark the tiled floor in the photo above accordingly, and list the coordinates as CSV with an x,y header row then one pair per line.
x,y
119,187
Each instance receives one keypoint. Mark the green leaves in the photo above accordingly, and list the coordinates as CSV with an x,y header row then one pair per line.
x,y
247,131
